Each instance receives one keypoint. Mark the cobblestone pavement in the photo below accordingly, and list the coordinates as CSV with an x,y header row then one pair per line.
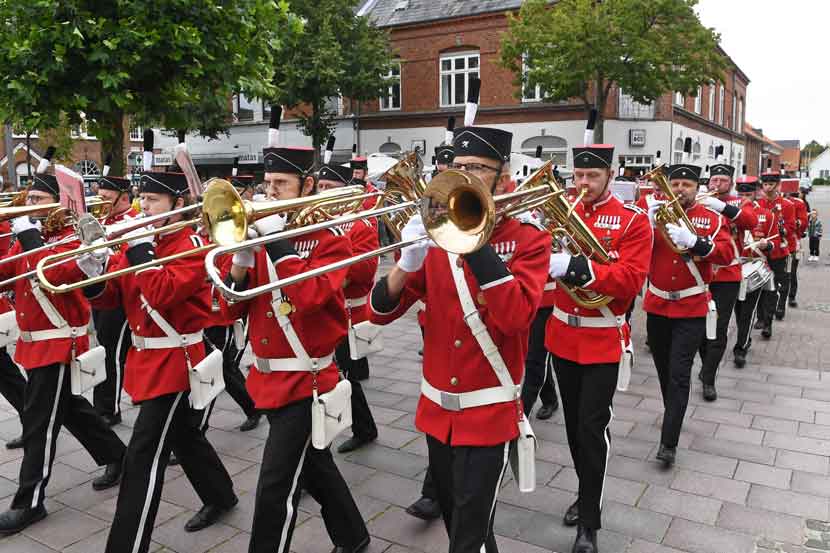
x,y
751,475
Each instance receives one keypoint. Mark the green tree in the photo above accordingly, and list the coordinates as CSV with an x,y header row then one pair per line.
x,y
152,60
811,151
583,48
338,54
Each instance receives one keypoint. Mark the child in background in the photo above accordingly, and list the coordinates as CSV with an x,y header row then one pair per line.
x,y
814,231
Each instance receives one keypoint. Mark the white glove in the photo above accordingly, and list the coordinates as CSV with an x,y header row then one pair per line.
x,y
413,256
22,224
134,239
90,264
244,258
101,254
269,225
525,217
558,265
713,203
653,206
681,236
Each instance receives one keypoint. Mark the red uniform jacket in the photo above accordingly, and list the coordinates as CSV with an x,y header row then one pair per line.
x,y
785,220
670,273
72,306
363,236
765,228
626,234
120,217
5,244
453,360
319,318
801,216
179,293
744,220
549,293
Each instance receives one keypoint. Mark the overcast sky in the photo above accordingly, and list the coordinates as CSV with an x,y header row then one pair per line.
x,y
783,48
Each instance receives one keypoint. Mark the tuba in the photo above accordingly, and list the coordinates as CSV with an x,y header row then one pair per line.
x,y
669,212
570,232
404,183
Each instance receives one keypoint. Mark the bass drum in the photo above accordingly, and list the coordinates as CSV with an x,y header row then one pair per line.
x,y
756,273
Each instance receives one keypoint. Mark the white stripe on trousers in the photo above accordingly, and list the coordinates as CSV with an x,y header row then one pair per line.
x,y
752,319
47,452
607,435
504,460
117,407
153,472
289,503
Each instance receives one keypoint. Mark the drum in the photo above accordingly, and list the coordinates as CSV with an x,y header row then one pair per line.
x,y
756,273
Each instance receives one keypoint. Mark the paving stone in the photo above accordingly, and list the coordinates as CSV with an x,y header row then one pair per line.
x,y
680,504
237,544
171,535
758,522
707,485
637,523
22,544
739,434
396,526
802,461
716,465
64,528
776,425
311,535
746,452
642,546
391,488
797,443
644,471
818,431
616,489
787,502
813,484
723,416
388,460
764,475
511,520
778,411
701,538
552,501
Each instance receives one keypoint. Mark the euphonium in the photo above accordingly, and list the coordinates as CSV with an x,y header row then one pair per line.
x,y
670,211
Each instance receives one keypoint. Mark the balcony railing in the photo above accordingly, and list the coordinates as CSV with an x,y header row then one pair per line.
x,y
629,109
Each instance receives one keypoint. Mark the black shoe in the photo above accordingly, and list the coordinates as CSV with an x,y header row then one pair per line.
x,y
779,315
250,423
174,461
767,332
110,478
740,359
667,455
112,420
354,549
586,541
572,514
546,411
709,392
425,509
759,325
15,520
15,443
208,515
355,443
793,303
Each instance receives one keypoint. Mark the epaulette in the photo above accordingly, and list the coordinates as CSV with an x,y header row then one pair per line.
x,y
534,223
337,231
635,208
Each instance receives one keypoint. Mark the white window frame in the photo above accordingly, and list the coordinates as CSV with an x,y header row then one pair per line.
x,y
740,127
452,72
711,102
721,104
237,102
394,80
734,111
537,89
81,132
679,100
699,100
16,134
136,133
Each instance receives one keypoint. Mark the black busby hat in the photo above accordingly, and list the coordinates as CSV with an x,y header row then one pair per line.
x,y
337,173
118,184
242,181
359,162
722,169
163,183
45,183
747,184
482,141
444,154
288,160
595,156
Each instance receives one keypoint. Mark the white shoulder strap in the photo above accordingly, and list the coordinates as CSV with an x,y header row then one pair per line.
x,y
46,306
162,323
477,326
283,320
694,270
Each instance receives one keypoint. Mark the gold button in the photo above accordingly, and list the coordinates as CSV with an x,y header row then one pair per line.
x,y
264,341
675,262
269,314
458,343
576,310
137,328
22,314
674,278
454,381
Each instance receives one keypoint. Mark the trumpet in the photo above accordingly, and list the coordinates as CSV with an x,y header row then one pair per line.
x,y
669,212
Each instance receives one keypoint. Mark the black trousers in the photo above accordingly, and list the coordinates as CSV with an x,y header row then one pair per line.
x,y
12,383
777,299
163,424
538,380
467,480
745,312
114,334
221,338
289,462
793,276
587,398
725,295
674,344
815,243
48,406
363,423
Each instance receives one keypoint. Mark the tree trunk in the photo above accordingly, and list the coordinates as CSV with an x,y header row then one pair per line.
x,y
112,141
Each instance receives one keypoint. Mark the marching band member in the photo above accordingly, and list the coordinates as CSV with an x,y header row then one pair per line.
x,y
53,332
678,300
726,282
468,416
167,308
800,208
294,333
356,287
762,240
775,302
12,383
111,325
588,345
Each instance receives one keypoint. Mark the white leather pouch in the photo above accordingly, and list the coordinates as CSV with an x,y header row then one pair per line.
x,y
206,380
365,339
239,334
88,370
712,321
331,414
523,457
9,331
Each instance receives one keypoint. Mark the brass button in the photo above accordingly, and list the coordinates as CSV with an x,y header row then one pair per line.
x,y
264,341
22,314
458,343
269,314
137,328
454,381
576,310
674,278
675,262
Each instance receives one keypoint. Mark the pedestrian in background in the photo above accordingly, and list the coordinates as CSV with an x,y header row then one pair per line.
x,y
814,231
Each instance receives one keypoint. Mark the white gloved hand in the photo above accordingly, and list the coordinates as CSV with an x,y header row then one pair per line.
x,y
713,203
90,264
244,258
101,254
269,225
525,217
652,209
681,236
22,224
413,256
558,265
134,239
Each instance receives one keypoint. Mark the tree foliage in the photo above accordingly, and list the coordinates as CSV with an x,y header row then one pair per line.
x,y
337,54
582,48
812,150
172,63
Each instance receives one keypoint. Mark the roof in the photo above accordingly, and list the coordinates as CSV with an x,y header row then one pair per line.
x,y
391,13
750,131
789,144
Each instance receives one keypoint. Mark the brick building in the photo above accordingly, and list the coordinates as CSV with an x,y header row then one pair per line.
x,y
791,158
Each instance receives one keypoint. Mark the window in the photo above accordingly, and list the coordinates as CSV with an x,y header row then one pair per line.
x,y
679,100
678,150
699,100
696,151
243,108
631,109
392,99
529,93
711,102
80,130
456,71
390,148
87,168
824,173
334,104
720,105
636,161
734,112
136,133
266,110
740,126
553,147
